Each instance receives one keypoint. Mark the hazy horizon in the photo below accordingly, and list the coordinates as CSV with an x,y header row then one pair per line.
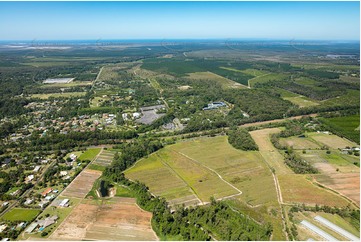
x,y
61,21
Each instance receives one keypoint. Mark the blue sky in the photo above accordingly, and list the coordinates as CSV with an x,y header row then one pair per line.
x,y
179,20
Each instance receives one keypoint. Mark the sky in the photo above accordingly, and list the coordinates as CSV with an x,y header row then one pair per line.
x,y
179,20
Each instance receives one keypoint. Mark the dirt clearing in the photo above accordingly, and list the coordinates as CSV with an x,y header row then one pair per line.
x,y
82,184
121,219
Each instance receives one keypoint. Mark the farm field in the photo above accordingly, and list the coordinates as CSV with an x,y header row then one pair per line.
x,y
267,77
20,214
104,159
118,219
299,143
338,172
301,101
178,170
245,170
57,95
331,140
82,184
89,154
226,83
268,151
298,189
348,126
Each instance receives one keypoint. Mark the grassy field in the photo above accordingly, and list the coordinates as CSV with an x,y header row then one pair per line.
x,y
57,95
89,154
226,83
267,77
179,170
298,189
123,192
332,141
244,169
21,214
347,126
300,143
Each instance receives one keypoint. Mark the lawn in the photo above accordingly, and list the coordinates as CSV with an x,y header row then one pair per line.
x,y
21,214
89,154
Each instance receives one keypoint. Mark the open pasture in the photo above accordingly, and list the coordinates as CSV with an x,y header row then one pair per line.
x,y
120,219
82,184
246,170
266,78
299,143
331,140
58,95
269,153
203,168
226,83
298,189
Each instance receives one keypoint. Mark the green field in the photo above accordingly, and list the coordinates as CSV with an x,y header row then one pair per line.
x,y
267,77
179,170
330,140
347,126
123,192
58,95
89,154
21,214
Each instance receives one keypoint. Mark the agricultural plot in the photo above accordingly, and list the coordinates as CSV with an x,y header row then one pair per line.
x,y
299,143
120,219
348,126
266,78
245,170
337,172
298,189
21,214
104,159
184,171
162,180
58,95
332,141
268,151
89,154
82,184
226,83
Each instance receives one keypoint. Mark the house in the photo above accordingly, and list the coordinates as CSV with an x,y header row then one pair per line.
x,y
28,201
136,115
31,228
63,173
47,191
64,203
37,168
5,204
47,222
3,227
30,178
49,198
72,157
43,203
